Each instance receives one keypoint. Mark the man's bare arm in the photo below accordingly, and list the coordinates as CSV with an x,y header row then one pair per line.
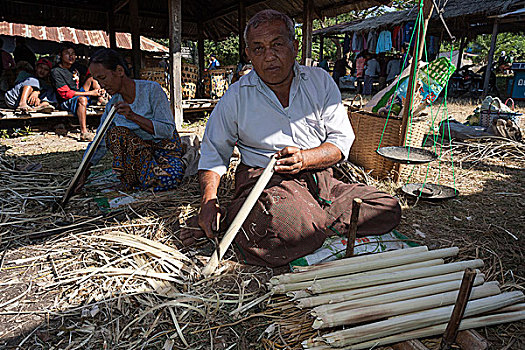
x,y
210,211
292,159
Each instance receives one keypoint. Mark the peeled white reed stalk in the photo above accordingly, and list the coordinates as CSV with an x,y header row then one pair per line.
x,y
304,299
355,267
287,287
241,216
416,320
361,259
342,283
467,323
346,316
407,294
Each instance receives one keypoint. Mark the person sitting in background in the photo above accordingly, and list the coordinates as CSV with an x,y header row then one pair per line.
x,y
7,61
31,92
74,97
214,63
340,68
147,150
23,52
371,72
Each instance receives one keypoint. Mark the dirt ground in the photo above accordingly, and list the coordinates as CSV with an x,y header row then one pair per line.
x,y
487,221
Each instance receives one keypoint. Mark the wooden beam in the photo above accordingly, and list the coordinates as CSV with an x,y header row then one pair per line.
x,y
111,26
462,43
135,36
175,25
119,5
242,25
321,48
200,52
490,59
307,30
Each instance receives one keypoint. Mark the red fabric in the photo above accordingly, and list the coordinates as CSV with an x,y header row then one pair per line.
x,y
65,92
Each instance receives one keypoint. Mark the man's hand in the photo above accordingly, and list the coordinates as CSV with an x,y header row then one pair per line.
x,y
210,217
291,160
124,109
33,99
97,92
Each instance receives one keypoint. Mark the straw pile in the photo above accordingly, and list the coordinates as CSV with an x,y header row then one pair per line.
x,y
366,301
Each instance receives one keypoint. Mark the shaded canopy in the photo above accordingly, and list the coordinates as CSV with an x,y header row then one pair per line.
x,y
219,18
463,17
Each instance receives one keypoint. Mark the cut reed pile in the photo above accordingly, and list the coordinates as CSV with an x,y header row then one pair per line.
x,y
366,301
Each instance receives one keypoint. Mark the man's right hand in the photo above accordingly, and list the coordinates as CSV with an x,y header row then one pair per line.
x,y
210,217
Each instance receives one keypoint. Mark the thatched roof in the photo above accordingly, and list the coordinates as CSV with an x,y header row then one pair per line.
x,y
219,18
463,17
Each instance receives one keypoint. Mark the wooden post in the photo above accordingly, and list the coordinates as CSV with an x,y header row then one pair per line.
x,y
462,43
242,25
352,230
175,25
321,48
200,51
307,30
451,331
421,30
111,26
135,36
490,58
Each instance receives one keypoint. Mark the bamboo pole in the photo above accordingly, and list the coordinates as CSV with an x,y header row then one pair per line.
x,y
241,216
361,259
394,296
459,308
287,287
416,320
352,230
351,268
346,316
347,295
338,283
469,323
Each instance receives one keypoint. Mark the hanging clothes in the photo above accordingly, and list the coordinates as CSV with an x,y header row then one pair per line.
x,y
357,42
371,41
397,37
346,44
365,45
384,42
407,32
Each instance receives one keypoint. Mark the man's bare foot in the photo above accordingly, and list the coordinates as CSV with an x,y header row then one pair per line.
x,y
190,233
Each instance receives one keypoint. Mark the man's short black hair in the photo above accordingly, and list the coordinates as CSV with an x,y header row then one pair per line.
x,y
65,46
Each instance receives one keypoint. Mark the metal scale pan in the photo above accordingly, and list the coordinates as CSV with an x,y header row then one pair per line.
x,y
430,192
407,155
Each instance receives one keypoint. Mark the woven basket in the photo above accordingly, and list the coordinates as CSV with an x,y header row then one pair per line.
x,y
368,128
157,74
215,83
188,90
190,73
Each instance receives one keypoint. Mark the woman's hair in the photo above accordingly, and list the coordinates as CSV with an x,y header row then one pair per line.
x,y
110,59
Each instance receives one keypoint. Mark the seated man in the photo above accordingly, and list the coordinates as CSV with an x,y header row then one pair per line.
x,y
73,97
32,93
296,113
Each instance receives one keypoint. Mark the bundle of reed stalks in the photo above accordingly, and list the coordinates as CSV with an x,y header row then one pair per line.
x,y
379,299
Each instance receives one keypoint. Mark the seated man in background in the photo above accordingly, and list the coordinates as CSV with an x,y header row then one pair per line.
x,y
31,92
294,112
72,96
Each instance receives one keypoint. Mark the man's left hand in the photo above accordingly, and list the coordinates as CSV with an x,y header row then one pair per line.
x,y
290,160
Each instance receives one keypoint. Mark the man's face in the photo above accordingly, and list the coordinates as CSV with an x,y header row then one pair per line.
x,y
271,51
68,56
42,71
